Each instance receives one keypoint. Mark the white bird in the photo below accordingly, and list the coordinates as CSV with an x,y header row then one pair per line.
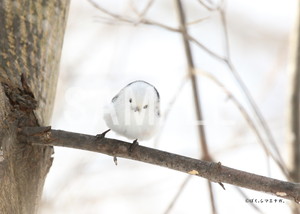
x,y
134,112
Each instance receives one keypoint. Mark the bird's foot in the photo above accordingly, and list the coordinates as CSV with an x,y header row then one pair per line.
x,y
134,144
115,160
101,136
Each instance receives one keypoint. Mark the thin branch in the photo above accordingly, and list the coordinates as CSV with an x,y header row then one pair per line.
x,y
196,95
226,60
129,20
165,115
124,19
144,11
197,21
212,197
247,117
244,195
195,90
207,6
181,188
279,160
225,30
211,53
147,8
215,172
133,22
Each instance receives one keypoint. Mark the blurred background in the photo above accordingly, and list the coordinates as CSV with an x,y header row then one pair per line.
x,y
102,54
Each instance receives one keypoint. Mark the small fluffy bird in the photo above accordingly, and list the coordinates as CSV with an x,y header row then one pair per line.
x,y
135,111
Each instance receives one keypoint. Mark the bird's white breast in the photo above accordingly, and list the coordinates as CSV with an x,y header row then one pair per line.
x,y
134,111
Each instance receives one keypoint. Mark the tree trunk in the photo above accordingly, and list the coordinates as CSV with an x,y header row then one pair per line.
x,y
31,36
294,108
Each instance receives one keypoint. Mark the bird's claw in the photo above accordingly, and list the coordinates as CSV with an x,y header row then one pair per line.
x,y
102,135
115,160
134,144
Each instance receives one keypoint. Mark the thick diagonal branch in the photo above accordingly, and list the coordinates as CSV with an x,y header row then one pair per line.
x,y
214,172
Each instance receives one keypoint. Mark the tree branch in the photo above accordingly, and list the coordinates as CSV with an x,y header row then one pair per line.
x,y
259,116
124,19
214,172
196,95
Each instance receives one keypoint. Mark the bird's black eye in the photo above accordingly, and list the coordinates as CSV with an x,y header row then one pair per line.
x,y
145,106
130,100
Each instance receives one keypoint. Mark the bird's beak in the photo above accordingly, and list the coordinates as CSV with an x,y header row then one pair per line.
x,y
137,109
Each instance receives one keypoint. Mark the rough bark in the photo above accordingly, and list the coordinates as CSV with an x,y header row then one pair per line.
x,y
294,104
293,132
31,35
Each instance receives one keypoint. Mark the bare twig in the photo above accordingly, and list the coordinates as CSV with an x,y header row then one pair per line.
x,y
214,172
212,197
195,90
210,52
222,13
279,161
207,6
247,117
226,59
243,194
124,19
197,21
181,188
119,18
191,73
144,11
165,115
278,158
